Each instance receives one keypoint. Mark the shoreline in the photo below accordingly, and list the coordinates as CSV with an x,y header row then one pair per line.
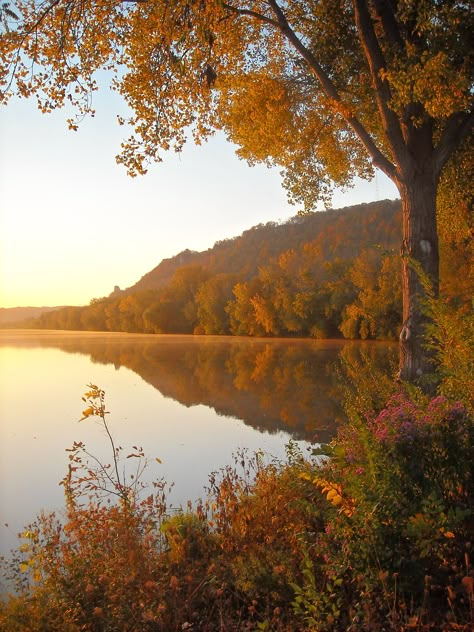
x,y
12,334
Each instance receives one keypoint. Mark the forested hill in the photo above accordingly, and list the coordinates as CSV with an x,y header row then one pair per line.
x,y
325,275
315,274
341,233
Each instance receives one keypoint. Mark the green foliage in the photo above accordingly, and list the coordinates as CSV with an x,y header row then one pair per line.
x,y
404,517
318,604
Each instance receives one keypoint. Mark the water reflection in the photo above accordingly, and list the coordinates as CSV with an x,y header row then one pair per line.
x,y
271,385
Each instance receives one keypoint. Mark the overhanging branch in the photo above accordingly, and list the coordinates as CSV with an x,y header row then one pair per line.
x,y
378,158
386,12
377,65
249,13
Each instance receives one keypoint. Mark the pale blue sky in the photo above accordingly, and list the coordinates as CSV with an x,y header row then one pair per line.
x,y
73,224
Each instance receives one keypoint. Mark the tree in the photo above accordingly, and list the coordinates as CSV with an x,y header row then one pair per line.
x,y
456,227
93,317
376,312
327,89
211,301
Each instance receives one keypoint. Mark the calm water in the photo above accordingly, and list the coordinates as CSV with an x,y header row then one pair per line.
x,y
190,401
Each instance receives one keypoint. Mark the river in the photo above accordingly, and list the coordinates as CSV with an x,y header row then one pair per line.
x,y
190,401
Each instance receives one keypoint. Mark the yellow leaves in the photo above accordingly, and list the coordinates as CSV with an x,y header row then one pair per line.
x,y
342,108
334,496
30,566
28,534
333,492
430,81
269,104
88,412
94,393
94,409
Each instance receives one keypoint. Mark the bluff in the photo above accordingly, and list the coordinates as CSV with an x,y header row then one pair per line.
x,y
322,275
342,233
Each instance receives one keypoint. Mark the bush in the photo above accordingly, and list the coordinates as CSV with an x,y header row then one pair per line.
x,y
399,531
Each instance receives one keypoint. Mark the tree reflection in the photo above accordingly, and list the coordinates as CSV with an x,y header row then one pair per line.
x,y
293,386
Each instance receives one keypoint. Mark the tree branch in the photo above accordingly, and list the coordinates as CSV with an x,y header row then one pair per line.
x,y
385,11
457,128
249,13
377,64
24,36
42,16
378,158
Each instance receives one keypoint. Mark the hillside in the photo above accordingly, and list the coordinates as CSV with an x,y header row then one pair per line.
x,y
324,275
342,233
321,275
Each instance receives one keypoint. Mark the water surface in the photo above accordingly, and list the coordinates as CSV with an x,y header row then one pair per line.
x,y
190,401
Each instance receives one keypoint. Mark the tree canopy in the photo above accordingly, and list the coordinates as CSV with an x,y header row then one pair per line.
x,y
326,89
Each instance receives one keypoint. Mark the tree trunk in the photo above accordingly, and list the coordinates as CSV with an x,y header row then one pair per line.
x,y
420,244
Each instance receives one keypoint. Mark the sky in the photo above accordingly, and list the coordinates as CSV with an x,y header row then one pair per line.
x,y
73,225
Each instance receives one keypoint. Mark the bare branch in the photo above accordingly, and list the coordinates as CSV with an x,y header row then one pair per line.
x,y
253,14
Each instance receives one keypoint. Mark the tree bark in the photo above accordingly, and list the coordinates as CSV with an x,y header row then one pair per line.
x,y
420,244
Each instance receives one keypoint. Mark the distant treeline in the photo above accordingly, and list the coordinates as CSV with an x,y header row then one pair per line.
x,y
11,315
322,275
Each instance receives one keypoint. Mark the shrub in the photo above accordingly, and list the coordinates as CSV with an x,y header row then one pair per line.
x,y
399,521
